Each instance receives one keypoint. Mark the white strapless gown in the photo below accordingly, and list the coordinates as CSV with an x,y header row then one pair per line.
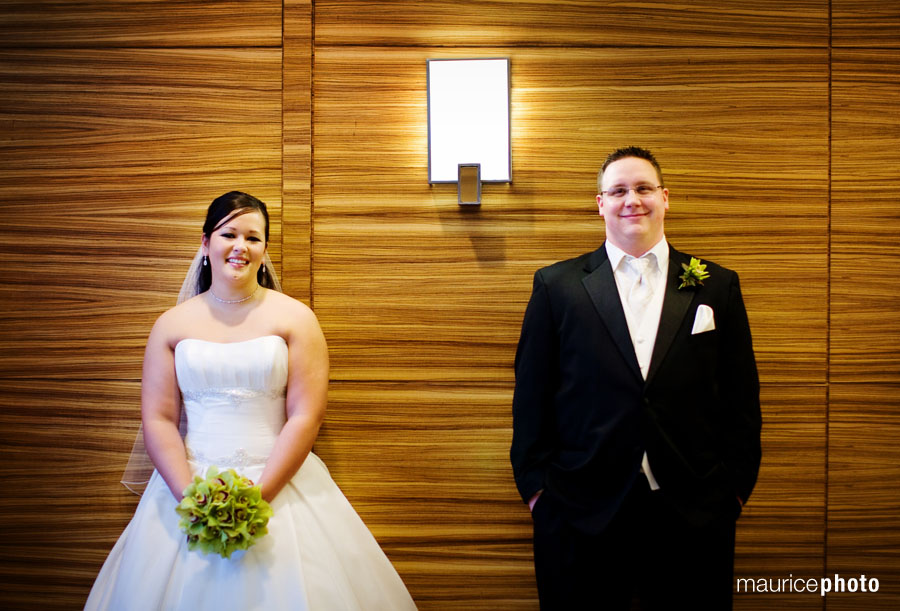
x,y
318,554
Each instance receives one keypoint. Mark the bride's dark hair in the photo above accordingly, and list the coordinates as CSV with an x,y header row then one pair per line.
x,y
224,208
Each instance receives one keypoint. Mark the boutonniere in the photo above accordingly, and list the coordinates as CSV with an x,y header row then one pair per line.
x,y
694,273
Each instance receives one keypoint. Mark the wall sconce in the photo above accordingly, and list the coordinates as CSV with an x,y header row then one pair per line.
x,y
468,124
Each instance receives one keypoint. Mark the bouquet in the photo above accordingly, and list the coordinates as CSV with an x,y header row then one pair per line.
x,y
223,513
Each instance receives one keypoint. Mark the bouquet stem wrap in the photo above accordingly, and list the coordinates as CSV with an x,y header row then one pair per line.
x,y
223,513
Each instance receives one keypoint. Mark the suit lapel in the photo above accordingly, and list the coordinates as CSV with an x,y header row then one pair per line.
x,y
601,287
675,306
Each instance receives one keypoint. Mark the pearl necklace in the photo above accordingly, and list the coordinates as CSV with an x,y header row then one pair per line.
x,y
243,299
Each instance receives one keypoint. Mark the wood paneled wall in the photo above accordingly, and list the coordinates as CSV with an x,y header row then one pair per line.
x,y
863,525
776,125
119,123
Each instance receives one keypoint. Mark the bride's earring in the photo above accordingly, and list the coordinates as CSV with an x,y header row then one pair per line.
x,y
205,261
263,268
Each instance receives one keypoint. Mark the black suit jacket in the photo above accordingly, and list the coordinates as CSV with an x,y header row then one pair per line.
x,y
583,415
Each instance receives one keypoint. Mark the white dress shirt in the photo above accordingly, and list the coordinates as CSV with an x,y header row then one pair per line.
x,y
642,325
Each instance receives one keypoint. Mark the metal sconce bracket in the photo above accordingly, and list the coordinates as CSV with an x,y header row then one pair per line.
x,y
468,185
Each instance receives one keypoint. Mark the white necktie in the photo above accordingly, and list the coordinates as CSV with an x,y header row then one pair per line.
x,y
640,293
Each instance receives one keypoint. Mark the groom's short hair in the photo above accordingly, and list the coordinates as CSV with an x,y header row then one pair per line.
x,y
629,151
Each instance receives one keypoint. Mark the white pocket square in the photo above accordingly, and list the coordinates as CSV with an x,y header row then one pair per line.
x,y
704,320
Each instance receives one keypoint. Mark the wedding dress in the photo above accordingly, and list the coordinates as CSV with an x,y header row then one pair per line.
x,y
318,554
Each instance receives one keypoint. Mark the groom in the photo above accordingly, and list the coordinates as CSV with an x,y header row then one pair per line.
x,y
636,418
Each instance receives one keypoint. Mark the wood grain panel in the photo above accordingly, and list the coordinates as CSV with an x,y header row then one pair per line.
x,y
761,23
108,161
63,447
129,23
426,466
865,298
863,500
865,23
426,283
781,530
864,429
296,174
422,302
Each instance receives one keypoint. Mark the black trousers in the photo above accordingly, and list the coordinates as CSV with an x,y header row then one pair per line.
x,y
647,558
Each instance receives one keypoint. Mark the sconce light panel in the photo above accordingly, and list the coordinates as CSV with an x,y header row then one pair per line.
x,y
468,118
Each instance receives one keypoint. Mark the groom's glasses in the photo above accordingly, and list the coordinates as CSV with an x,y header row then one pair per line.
x,y
620,193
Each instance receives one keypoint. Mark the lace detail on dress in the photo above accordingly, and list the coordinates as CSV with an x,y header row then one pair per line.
x,y
240,458
232,395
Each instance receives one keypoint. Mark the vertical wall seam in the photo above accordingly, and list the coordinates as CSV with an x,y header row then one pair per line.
x,y
312,173
828,275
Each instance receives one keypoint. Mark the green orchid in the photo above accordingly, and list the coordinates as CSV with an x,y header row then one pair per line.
x,y
222,513
694,273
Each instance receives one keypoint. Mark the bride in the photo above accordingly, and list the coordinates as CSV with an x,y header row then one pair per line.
x,y
248,365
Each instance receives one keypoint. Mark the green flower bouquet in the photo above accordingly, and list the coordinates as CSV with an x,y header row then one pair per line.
x,y
223,513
